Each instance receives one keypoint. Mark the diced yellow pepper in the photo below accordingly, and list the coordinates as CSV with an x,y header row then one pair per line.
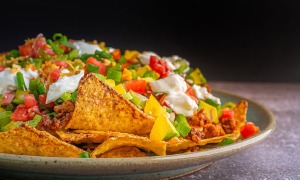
x,y
198,77
210,111
110,82
153,108
162,129
148,79
141,71
126,75
120,89
131,54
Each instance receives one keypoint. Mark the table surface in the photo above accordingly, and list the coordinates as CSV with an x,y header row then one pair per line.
x,y
276,157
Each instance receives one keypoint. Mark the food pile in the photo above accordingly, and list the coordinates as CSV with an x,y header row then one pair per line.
x,y
71,98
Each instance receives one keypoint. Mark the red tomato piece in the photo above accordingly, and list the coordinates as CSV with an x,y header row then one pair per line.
x,y
93,61
159,65
227,114
20,114
248,130
25,50
54,75
42,99
2,68
33,111
30,101
138,86
7,98
40,43
62,64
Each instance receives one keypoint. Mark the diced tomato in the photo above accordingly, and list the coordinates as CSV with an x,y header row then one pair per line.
x,y
40,43
93,61
20,114
2,68
249,129
159,65
227,114
62,64
54,75
33,111
7,98
25,50
42,99
30,101
138,86
65,48
116,54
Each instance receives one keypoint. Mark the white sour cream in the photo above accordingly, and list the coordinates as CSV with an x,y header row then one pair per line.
x,y
202,93
145,56
8,81
86,48
64,84
181,103
173,82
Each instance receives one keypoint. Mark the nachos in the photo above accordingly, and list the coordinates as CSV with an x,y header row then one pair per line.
x,y
68,98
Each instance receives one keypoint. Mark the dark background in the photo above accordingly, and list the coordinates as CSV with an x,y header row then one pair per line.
x,y
255,41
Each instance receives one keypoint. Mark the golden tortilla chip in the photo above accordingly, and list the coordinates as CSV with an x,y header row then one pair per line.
x,y
99,107
26,140
158,147
176,144
124,152
88,136
240,112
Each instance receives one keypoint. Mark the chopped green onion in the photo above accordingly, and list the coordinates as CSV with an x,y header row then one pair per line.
x,y
150,74
114,74
122,60
6,127
127,96
100,76
51,115
20,81
66,96
226,141
38,63
230,105
74,96
181,125
103,54
17,101
84,57
182,67
73,54
57,37
9,107
169,110
55,48
13,53
138,99
84,155
92,68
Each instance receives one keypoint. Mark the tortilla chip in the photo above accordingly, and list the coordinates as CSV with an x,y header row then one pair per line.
x,y
176,144
26,140
88,136
99,107
158,147
240,112
124,152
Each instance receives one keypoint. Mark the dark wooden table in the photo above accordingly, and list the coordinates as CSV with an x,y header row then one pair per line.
x,y
276,157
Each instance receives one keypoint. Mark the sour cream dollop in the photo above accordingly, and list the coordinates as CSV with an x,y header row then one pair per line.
x,y
86,48
64,84
202,93
172,83
8,81
145,56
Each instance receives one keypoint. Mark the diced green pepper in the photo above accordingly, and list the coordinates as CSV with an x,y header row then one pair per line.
x,y
73,54
114,74
38,63
84,57
74,96
103,54
122,60
66,96
84,155
181,125
92,68
5,118
100,76
226,141
138,100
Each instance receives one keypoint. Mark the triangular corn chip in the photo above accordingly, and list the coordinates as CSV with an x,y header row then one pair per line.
x,y
26,140
124,152
158,147
99,107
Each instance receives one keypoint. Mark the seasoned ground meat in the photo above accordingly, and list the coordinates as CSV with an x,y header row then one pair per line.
x,y
229,124
199,119
213,130
195,135
63,116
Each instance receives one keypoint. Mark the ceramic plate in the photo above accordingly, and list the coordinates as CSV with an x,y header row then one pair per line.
x,y
156,167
